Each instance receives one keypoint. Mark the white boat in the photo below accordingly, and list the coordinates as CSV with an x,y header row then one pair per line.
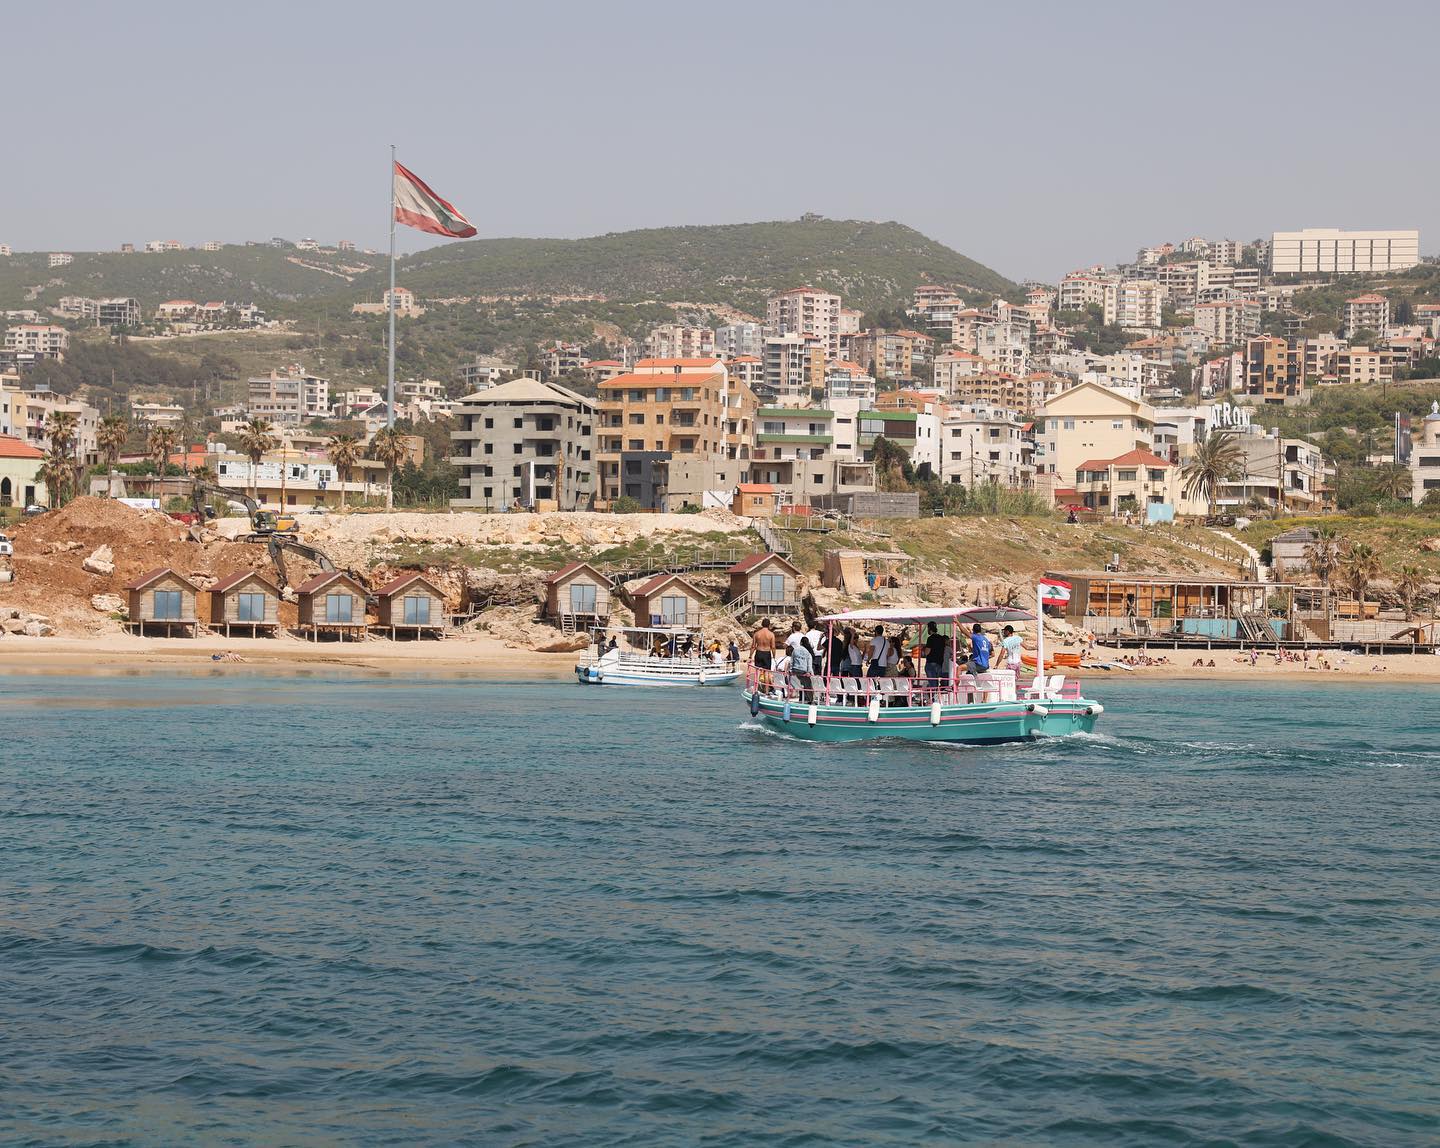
x,y
635,662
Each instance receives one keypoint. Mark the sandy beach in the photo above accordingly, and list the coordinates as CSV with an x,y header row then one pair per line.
x,y
484,657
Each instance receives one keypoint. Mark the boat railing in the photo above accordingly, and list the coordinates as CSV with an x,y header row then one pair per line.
x,y
650,661
858,690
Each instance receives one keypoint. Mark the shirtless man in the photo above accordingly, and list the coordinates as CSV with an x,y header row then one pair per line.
x,y
762,645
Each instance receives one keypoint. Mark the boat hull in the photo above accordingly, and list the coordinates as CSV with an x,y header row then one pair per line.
x,y
618,676
981,724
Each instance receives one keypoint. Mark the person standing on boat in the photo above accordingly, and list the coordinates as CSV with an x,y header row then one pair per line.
x,y
980,651
855,653
1010,646
802,665
762,646
936,646
796,633
733,652
878,646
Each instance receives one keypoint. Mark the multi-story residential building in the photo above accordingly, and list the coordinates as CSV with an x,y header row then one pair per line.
x,y
524,442
44,340
1365,365
844,380
157,414
562,359
176,310
1130,483
5,251
1369,312
807,311
794,368
981,444
29,408
1425,458
77,307
1275,471
795,452
288,399
747,369
1319,363
1080,290
851,320
673,433
598,370
127,249
155,246
60,259
1273,370
929,296
1089,421
1229,321
1139,304
120,311
680,341
1326,251
888,354
742,339
210,245
1226,252
405,305
484,371
345,245
1003,347
288,477
1219,376
953,366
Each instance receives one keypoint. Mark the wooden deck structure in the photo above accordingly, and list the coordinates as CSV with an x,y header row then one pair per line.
x,y
163,601
245,603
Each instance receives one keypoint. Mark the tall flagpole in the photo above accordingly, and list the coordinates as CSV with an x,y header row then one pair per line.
x,y
390,373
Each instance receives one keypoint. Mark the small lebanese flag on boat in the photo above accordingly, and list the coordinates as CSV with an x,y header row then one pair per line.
x,y
1054,592
419,207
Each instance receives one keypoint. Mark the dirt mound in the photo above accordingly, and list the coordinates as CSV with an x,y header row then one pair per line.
x,y
95,522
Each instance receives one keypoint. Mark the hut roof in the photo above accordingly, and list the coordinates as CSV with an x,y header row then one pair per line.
x,y
570,568
320,581
662,580
751,561
155,575
395,585
232,580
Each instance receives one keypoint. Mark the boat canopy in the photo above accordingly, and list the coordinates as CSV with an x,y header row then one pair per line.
x,y
932,614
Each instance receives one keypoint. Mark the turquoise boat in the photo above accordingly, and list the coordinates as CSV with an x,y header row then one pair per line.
x,y
983,709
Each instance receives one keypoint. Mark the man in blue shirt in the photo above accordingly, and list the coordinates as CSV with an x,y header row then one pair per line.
x,y
979,661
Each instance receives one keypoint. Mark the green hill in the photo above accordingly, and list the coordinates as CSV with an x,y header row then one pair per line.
x,y
870,264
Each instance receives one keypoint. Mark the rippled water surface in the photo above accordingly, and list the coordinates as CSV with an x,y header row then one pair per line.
x,y
247,911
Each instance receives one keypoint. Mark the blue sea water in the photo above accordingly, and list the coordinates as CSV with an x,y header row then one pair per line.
x,y
240,910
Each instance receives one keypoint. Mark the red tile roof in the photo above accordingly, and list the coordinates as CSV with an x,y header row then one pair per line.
x,y
677,362
320,581
395,585
155,575
11,447
661,580
756,488
751,561
570,568
1129,458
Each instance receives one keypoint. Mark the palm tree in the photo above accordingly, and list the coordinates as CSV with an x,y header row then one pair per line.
x,y
388,447
60,430
1323,554
344,452
55,474
1393,481
1215,461
1361,565
256,441
113,433
1412,582
160,445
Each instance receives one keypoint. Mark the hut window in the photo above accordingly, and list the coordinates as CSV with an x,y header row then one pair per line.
x,y
674,610
339,608
582,598
167,605
417,610
772,587
250,607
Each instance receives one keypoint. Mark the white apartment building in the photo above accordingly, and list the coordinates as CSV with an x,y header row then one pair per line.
x,y
741,339
288,399
1369,312
1425,457
981,445
793,366
849,381
952,366
1003,347
60,259
1080,289
1090,421
5,250
485,371
563,358
679,341
1139,304
1229,321
156,246
43,339
1328,251
210,245
807,311
157,414
1226,252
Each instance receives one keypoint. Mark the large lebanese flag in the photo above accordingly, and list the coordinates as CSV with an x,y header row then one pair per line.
x,y
419,207
1054,592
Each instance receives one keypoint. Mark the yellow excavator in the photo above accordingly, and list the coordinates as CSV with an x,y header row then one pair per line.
x,y
263,523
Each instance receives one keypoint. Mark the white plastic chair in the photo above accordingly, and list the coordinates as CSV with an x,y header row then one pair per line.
x,y
851,690
1057,683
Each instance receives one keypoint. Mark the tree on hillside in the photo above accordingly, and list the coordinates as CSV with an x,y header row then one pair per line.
x,y
113,433
1215,461
388,447
893,470
256,440
1411,582
1323,554
344,452
1360,567
1393,481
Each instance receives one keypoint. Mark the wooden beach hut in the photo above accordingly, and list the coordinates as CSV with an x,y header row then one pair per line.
x,y
163,601
668,601
577,597
246,603
861,571
333,605
410,605
764,584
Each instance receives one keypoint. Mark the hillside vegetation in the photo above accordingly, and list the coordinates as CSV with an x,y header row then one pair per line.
x,y
871,264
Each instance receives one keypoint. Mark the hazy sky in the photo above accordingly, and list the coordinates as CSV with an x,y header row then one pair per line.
x,y
1035,137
